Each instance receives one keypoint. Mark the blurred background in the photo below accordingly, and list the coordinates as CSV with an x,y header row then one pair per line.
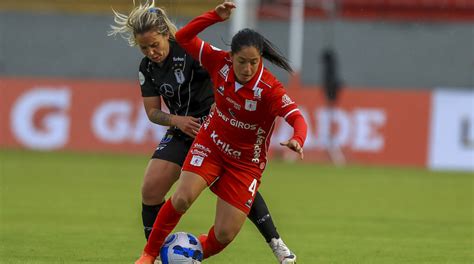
x,y
386,86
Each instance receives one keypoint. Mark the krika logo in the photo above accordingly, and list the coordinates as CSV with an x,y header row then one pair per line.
x,y
225,146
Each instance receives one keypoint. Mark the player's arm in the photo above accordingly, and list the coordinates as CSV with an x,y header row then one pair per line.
x,y
188,124
296,142
201,51
154,113
282,105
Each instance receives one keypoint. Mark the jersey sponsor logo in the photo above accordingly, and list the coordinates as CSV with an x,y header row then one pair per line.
x,y
286,100
221,115
202,147
197,160
236,123
141,78
257,93
236,105
224,71
257,147
242,125
178,73
166,90
175,59
220,90
250,105
199,153
225,147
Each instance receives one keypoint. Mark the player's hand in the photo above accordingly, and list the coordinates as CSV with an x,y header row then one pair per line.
x,y
224,10
188,124
294,145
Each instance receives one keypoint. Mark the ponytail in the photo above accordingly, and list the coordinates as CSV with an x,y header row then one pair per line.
x,y
250,38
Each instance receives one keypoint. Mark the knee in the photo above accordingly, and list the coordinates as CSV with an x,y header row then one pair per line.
x,y
181,201
226,235
150,193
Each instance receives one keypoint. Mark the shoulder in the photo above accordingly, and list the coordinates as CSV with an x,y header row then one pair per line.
x,y
145,65
268,81
224,65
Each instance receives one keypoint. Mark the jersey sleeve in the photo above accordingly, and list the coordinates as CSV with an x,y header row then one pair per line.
x,y
280,103
206,54
146,84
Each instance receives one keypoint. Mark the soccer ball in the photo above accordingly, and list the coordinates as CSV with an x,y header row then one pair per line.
x,y
181,248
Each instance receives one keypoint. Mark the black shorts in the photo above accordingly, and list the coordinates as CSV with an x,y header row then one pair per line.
x,y
174,147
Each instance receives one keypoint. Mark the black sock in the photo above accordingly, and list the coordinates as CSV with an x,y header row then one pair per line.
x,y
149,213
262,219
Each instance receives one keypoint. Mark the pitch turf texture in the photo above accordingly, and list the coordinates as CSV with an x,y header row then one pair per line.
x,y
83,208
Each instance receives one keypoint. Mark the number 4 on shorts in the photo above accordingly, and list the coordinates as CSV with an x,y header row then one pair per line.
x,y
253,187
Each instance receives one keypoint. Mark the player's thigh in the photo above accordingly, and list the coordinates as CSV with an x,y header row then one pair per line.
x,y
228,222
237,186
160,175
190,186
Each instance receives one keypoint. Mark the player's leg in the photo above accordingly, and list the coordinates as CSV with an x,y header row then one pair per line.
x,y
190,186
261,217
160,175
228,222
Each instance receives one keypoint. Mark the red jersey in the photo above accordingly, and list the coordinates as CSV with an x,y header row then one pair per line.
x,y
242,123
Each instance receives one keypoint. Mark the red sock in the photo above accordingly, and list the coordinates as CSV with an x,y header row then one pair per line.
x,y
165,222
211,246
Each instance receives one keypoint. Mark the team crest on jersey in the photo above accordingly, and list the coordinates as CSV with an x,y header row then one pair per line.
x,y
220,90
224,71
286,100
250,105
178,73
197,160
257,93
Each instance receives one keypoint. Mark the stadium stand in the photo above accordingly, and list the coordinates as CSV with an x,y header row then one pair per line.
x,y
418,10
187,8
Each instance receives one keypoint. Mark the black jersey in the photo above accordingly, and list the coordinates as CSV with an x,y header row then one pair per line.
x,y
184,85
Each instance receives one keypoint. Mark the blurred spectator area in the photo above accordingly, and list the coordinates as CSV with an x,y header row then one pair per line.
x,y
188,8
414,10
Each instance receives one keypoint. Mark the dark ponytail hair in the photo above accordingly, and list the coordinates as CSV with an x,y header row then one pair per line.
x,y
251,38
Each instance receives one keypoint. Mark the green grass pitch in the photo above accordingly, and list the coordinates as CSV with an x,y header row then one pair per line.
x,y
85,208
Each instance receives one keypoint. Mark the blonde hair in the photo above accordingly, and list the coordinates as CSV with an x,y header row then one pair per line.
x,y
141,19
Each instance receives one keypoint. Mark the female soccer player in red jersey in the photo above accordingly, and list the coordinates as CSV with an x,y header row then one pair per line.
x,y
229,152
167,72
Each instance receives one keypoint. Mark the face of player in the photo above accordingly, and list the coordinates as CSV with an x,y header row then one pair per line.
x,y
245,63
154,45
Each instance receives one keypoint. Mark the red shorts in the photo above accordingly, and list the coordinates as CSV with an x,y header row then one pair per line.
x,y
232,181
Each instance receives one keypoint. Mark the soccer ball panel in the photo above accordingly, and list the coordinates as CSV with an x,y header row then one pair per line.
x,y
181,248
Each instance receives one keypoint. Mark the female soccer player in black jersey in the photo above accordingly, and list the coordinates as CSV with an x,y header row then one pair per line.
x,y
167,72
